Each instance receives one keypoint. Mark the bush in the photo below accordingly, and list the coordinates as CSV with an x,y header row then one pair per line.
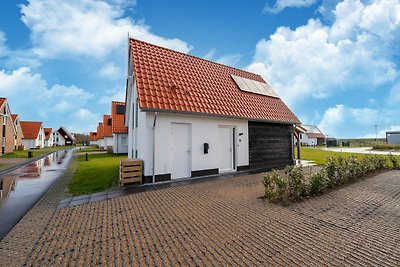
x,y
385,146
275,186
393,160
295,182
318,183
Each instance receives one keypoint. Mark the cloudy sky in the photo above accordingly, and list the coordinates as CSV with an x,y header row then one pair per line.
x,y
335,63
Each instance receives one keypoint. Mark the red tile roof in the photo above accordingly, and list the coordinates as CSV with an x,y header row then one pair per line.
x,y
173,81
315,135
2,101
47,130
93,136
107,132
14,117
100,131
118,125
30,129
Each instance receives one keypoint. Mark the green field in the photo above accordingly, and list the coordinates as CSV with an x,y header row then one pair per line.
x,y
319,156
98,174
89,149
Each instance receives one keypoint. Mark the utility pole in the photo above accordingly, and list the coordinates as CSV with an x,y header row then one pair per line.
x,y
376,131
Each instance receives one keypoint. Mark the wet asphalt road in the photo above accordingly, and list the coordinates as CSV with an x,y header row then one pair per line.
x,y
21,188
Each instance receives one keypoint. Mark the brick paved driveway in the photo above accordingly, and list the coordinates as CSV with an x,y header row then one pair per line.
x,y
222,222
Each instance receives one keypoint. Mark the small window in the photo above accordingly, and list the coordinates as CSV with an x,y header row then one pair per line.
x,y
109,121
120,109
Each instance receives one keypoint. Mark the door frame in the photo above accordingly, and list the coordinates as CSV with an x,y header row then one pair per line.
x,y
233,129
190,148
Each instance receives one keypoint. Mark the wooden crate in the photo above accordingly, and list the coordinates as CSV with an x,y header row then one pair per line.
x,y
130,171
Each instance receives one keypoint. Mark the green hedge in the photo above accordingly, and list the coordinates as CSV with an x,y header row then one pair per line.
x,y
292,185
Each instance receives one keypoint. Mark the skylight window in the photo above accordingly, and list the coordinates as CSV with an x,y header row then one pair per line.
x,y
255,87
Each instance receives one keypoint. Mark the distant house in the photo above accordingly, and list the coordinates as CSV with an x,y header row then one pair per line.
x,y
18,130
393,137
7,131
48,137
63,138
93,138
190,117
100,138
107,131
119,130
312,137
33,134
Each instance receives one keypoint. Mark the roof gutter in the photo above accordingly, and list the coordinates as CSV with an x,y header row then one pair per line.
x,y
218,115
154,147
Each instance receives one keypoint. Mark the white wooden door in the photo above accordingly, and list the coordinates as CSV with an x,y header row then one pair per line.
x,y
225,149
181,155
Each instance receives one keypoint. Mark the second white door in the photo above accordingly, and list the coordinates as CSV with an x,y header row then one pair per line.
x,y
226,149
181,150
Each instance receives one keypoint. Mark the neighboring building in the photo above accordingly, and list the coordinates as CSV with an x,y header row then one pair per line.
x,y
7,131
312,137
191,117
100,138
393,137
48,137
93,138
119,130
107,131
18,130
63,138
33,134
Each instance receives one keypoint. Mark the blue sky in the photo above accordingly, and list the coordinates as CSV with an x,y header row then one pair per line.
x,y
335,63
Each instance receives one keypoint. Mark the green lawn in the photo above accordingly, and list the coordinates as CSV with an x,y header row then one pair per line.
x,y
98,174
89,149
24,153
319,156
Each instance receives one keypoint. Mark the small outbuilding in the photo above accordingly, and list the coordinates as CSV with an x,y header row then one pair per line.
x,y
119,130
33,134
48,137
188,117
393,137
93,138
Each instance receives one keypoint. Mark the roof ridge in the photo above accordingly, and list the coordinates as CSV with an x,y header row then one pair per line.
x,y
196,57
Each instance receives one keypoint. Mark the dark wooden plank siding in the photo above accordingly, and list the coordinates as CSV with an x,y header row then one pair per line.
x,y
270,145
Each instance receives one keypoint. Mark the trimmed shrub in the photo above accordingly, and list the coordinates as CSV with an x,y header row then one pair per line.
x,y
295,182
393,160
318,183
275,186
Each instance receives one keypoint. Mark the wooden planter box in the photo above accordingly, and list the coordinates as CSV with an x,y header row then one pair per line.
x,y
130,171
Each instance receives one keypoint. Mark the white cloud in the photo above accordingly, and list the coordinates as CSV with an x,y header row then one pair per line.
x,y
3,46
111,71
230,60
394,94
30,96
115,95
340,120
91,28
81,120
282,4
210,54
317,60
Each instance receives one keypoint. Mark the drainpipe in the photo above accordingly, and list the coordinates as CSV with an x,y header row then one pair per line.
x,y
154,146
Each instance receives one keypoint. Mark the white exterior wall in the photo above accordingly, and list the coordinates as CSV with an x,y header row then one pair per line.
x,y
108,141
308,141
93,143
204,130
120,143
100,142
29,143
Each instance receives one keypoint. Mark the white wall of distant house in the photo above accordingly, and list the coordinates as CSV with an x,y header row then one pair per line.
x,y
204,129
120,143
34,143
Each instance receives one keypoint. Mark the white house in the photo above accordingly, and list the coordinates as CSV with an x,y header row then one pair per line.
x,y
62,137
191,117
107,131
48,137
33,134
93,138
100,138
312,137
119,130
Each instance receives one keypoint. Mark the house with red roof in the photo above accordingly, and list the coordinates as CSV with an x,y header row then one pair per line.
x,y
119,130
93,138
312,137
7,131
107,131
33,134
62,137
190,117
48,137
18,130
100,138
